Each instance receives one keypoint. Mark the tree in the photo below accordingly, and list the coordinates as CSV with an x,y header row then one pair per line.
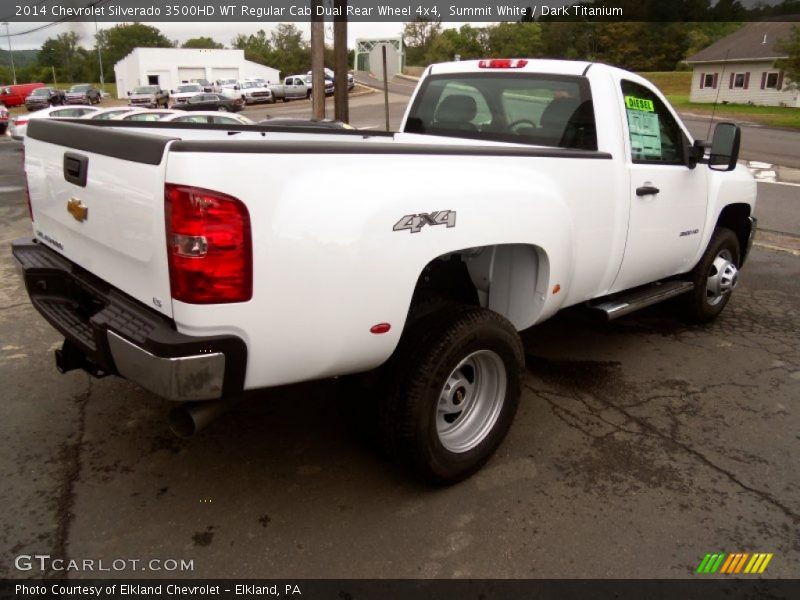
x,y
791,64
202,42
509,40
467,42
418,36
289,49
65,55
119,41
256,46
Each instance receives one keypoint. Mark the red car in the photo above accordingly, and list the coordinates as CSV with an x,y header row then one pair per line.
x,y
14,95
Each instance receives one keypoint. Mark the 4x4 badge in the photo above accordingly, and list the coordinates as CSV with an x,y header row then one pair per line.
x,y
415,223
78,211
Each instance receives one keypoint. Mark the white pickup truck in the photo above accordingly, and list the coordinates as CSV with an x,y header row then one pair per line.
x,y
514,189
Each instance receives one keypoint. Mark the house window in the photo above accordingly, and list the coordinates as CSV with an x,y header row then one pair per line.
x,y
708,80
738,80
772,81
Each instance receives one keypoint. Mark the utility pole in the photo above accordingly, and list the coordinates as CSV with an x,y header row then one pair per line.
x,y
317,62
11,54
340,59
99,55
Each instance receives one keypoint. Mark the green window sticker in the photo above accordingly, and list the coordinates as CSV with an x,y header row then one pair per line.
x,y
634,103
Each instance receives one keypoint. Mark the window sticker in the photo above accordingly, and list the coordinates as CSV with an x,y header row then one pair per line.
x,y
645,134
634,103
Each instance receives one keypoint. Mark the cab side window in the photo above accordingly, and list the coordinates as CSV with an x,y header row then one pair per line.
x,y
655,136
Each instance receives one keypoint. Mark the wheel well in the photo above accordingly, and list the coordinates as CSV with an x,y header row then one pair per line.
x,y
509,279
736,217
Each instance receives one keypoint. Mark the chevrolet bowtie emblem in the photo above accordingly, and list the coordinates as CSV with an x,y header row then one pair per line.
x,y
78,211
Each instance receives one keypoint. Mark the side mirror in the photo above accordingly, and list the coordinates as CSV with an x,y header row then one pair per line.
x,y
695,153
236,87
725,147
129,92
172,91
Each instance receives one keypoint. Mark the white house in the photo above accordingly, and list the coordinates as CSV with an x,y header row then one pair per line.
x,y
740,68
169,67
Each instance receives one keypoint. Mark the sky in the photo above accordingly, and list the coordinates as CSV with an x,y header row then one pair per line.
x,y
221,32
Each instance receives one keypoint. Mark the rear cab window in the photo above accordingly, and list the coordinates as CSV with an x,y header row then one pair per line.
x,y
523,108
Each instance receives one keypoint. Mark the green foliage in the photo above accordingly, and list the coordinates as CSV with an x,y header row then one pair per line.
x,y
514,40
202,42
119,41
791,64
70,61
285,48
649,46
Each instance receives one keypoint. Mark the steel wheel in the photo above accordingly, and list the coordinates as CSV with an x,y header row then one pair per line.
x,y
470,401
722,278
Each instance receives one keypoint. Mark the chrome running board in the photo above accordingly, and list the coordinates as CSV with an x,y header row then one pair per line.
x,y
641,297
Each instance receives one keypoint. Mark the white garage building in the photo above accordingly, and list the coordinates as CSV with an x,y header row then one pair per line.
x,y
169,67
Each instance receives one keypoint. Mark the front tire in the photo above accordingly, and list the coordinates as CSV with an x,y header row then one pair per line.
x,y
222,108
457,381
715,277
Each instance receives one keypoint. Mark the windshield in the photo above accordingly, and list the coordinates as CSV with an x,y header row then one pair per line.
x,y
80,88
146,89
182,89
522,108
41,92
250,84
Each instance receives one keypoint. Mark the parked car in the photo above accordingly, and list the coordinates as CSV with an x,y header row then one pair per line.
x,y
19,125
606,202
144,115
330,76
225,86
292,88
148,96
329,88
3,119
14,95
212,102
208,117
105,114
83,93
43,97
185,91
204,83
255,92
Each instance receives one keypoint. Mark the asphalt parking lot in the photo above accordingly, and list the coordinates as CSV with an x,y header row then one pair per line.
x,y
639,447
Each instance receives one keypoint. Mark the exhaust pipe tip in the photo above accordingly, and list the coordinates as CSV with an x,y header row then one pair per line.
x,y
181,423
189,418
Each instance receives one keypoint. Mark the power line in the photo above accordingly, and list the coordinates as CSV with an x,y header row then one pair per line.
x,y
60,21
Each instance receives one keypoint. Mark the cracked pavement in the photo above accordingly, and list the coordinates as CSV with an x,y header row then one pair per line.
x,y
639,446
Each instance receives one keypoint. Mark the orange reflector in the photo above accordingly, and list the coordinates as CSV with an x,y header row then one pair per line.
x,y
380,328
556,288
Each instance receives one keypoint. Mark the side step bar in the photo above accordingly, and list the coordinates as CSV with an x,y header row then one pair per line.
x,y
631,301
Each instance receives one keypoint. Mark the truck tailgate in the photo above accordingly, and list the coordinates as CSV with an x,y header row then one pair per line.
x,y
97,197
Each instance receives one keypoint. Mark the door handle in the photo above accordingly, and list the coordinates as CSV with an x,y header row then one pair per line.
x,y
647,190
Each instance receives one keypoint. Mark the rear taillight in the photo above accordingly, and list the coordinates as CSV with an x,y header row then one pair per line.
x,y
503,63
209,246
20,122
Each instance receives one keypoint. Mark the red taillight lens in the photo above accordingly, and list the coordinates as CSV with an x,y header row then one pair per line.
x,y
502,63
209,246
20,122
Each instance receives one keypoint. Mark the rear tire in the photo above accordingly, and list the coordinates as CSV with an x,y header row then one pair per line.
x,y
456,380
715,277
222,108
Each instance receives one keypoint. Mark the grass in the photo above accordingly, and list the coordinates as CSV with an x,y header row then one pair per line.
x,y
677,86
